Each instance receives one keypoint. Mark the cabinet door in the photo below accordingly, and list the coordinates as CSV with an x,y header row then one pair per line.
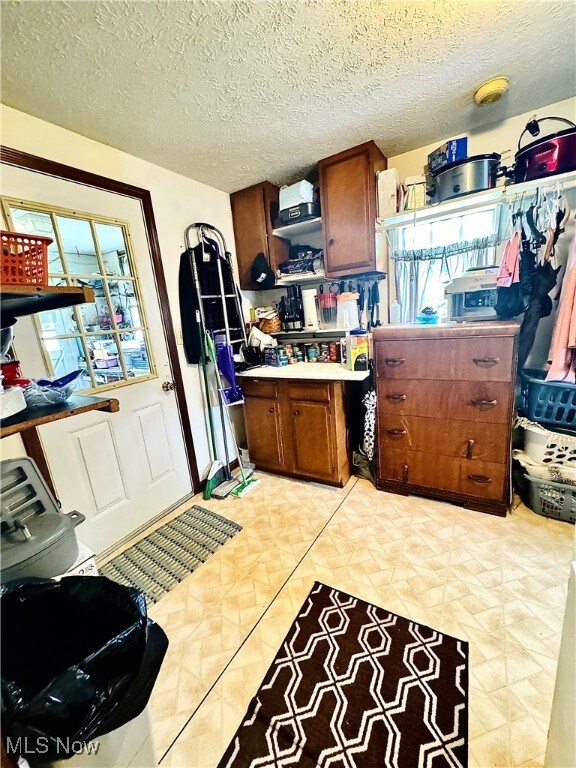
x,y
253,212
312,439
250,233
264,432
348,195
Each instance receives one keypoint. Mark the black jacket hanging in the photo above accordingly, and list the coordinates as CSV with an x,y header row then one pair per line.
x,y
189,303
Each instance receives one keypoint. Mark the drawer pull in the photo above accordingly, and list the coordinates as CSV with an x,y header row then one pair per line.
x,y
405,473
270,410
480,402
396,432
395,398
296,413
483,479
469,448
393,361
487,362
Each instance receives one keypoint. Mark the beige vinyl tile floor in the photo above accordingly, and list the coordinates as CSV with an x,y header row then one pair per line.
x,y
499,583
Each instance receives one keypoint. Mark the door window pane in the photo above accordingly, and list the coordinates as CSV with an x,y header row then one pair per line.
x,y
135,353
78,244
58,322
38,223
113,249
67,355
104,357
124,303
96,316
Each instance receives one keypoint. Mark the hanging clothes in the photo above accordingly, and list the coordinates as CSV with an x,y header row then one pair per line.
x,y
509,271
562,354
189,303
509,299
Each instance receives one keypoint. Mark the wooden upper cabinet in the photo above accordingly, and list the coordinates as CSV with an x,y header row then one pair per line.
x,y
348,196
253,212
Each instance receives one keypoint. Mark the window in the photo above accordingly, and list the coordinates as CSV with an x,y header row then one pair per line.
x,y
428,255
107,340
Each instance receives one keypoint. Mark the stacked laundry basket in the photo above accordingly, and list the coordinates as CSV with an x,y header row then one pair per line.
x,y
549,455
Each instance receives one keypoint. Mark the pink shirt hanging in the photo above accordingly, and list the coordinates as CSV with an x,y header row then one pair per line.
x,y
509,271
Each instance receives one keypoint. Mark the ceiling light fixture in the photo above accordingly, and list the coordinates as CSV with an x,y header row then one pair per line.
x,y
491,91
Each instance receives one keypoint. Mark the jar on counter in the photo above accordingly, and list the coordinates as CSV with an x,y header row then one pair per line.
x,y
312,353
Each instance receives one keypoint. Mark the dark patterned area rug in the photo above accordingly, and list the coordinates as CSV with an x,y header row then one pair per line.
x,y
355,686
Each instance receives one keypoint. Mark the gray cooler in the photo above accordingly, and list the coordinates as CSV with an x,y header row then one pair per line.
x,y
36,538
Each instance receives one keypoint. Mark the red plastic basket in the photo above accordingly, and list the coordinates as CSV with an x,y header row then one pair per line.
x,y
24,258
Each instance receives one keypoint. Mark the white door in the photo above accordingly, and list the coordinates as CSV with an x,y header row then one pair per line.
x,y
121,469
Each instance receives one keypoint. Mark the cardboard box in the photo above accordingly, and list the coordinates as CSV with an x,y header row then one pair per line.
x,y
414,193
449,152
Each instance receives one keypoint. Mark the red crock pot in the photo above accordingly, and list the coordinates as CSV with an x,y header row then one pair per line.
x,y
553,154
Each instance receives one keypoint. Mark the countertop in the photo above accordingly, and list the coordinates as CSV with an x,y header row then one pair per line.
x,y
449,329
310,371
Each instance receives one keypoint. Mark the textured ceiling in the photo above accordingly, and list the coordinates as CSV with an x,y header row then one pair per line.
x,y
231,92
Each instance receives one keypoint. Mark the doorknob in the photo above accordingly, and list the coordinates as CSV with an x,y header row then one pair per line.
x,y
168,386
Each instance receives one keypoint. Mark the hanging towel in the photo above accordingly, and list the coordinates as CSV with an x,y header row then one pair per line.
x,y
562,354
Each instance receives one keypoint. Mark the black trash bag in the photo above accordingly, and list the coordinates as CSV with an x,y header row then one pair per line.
x,y
79,659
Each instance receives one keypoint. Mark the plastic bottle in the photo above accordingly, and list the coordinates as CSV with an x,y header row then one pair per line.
x,y
395,312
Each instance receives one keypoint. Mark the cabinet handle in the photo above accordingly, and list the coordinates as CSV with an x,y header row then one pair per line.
x,y
486,361
405,473
296,413
270,410
469,448
480,402
331,241
397,432
483,479
395,361
395,398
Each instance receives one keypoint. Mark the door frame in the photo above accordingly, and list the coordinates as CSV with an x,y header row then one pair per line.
x,y
18,159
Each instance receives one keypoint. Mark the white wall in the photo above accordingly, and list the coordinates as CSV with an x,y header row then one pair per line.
x,y
178,201
501,137
561,746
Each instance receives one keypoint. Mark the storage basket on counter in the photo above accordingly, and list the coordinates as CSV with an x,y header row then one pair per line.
x,y
553,500
24,258
548,402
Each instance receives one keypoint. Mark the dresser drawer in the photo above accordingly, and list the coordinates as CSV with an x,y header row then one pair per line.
x,y
472,359
483,401
457,439
486,480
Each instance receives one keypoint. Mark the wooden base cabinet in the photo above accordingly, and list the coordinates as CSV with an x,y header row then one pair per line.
x,y
445,405
298,428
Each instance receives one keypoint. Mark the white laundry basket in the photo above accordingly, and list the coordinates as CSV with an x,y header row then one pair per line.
x,y
546,446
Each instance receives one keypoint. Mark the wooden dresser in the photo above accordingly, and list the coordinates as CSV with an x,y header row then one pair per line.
x,y
445,406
